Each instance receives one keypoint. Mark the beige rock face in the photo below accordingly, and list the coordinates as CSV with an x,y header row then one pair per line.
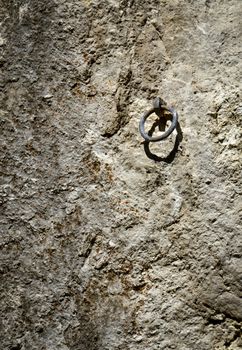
x,y
108,243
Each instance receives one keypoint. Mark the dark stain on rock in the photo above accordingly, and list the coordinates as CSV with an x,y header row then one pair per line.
x,y
83,336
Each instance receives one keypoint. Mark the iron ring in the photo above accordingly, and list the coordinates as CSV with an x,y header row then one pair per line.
x,y
157,108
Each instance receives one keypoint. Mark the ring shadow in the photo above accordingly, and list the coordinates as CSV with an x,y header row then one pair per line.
x,y
171,156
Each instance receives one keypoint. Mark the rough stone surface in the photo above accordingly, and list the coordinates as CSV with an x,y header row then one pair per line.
x,y
104,246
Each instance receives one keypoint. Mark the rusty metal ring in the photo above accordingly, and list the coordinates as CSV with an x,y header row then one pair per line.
x,y
158,106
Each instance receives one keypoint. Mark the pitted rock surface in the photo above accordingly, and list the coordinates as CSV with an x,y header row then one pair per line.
x,y
102,246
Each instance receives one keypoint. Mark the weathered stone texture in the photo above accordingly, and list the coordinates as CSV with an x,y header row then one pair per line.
x,y
102,246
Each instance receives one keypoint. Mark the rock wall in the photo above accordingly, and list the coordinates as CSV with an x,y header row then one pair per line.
x,y
108,243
